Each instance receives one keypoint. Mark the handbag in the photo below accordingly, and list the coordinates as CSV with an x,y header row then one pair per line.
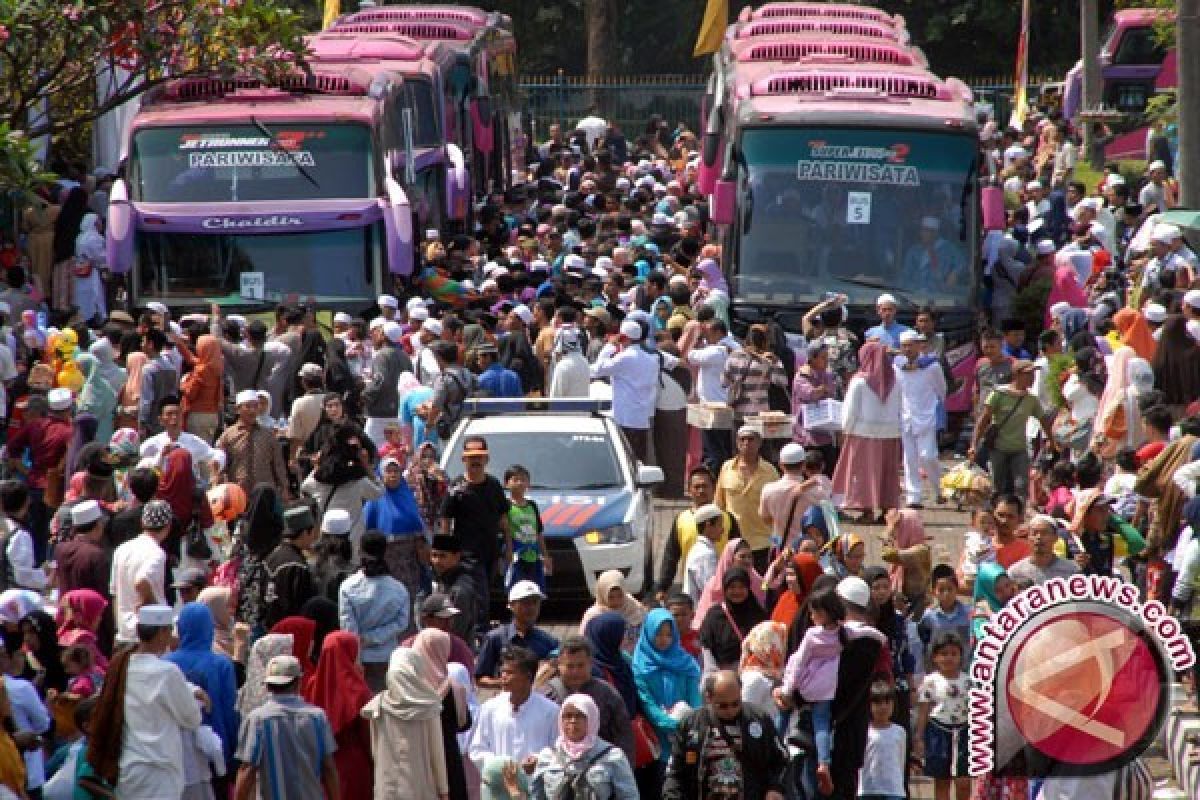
x,y
993,429
647,748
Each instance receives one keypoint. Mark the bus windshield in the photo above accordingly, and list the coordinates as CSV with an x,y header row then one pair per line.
x,y
338,266
242,163
855,211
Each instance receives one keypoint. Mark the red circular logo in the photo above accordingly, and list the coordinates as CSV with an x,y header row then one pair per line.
x,y
1083,688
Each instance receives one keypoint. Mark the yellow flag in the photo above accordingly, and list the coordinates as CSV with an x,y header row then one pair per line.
x,y
332,9
712,28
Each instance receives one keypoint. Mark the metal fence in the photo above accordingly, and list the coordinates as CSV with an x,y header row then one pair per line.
x,y
629,100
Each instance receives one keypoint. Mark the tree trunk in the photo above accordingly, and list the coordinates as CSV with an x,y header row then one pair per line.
x,y
600,18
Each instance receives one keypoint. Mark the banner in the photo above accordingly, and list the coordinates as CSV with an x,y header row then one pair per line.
x,y
712,28
333,8
1021,80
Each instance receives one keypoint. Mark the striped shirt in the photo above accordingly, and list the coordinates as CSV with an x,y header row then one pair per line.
x,y
287,740
747,376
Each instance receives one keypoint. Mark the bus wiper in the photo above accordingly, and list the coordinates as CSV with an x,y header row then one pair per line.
x,y
872,284
279,148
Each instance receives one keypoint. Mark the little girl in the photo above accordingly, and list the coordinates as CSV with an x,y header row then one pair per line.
x,y
942,715
86,680
977,547
812,672
1060,482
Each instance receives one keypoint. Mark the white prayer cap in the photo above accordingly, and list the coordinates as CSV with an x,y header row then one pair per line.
x,y
158,308
336,522
1045,247
418,314
431,325
1033,185
1153,165
342,318
539,265
414,302
930,223
1165,234
60,399
604,262
1115,179
1193,329
630,329
85,513
1192,298
885,299
574,261
156,616
1155,313
911,336
1060,308
523,313
488,284
1091,202
246,396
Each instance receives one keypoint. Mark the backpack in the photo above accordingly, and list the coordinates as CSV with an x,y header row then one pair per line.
x,y
575,785
447,421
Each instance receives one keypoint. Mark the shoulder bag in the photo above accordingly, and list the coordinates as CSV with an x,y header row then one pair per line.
x,y
993,429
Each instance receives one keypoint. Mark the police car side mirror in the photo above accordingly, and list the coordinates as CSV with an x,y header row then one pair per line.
x,y
648,475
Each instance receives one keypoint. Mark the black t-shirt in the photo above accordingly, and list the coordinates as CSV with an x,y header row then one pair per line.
x,y
474,511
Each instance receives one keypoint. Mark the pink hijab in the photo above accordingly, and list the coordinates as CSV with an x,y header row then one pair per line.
x,y
577,750
909,532
1066,289
876,369
713,593
1113,395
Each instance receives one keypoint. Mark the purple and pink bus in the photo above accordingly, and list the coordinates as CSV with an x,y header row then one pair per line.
x,y
483,114
246,195
836,162
1131,59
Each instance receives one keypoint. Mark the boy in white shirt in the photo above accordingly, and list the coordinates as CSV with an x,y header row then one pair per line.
x,y
702,558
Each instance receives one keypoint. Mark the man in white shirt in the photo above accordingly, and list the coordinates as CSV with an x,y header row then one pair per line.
x,y
633,371
516,724
427,367
139,570
921,389
170,416
159,705
31,720
709,357
702,558
1036,202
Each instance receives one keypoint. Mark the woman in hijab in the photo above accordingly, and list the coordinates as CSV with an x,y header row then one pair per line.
x,y
43,653
202,389
396,515
726,625
339,378
606,634
177,486
1006,274
80,613
433,646
343,479
106,359
906,551
798,578
66,231
217,599
211,671
303,631
339,690
1081,394
867,475
764,655
83,431
96,397
259,531
1135,332
406,732
1176,365
667,679
253,693
1111,420
131,394
611,596
848,551
323,612
1065,288
86,285
737,553
580,750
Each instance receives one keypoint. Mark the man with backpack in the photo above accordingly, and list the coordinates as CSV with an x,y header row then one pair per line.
x,y
451,388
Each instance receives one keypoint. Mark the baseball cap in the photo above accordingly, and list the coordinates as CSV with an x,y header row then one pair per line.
x,y
522,590
438,605
854,590
475,447
791,454
192,576
706,512
282,670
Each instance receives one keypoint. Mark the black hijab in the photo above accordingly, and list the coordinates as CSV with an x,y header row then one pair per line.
x,y
1176,363
725,625
66,227
324,612
263,520
48,653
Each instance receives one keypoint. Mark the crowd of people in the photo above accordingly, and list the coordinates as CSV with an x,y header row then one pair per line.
x,y
232,565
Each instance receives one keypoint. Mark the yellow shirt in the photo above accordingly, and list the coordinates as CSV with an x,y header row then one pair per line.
x,y
740,498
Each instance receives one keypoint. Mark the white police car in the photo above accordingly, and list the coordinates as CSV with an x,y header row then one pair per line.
x,y
594,497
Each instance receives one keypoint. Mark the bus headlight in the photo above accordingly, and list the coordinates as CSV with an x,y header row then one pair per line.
x,y
617,534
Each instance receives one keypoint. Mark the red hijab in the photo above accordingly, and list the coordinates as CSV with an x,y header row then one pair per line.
x,y
303,631
876,367
808,569
178,484
87,607
338,687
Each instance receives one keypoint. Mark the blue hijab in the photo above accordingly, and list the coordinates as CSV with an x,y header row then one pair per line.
x,y
212,672
648,660
605,632
396,512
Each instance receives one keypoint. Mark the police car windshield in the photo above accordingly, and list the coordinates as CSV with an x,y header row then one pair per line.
x,y
556,461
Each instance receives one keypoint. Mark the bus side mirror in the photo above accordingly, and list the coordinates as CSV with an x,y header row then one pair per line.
x,y
458,186
721,207
119,225
991,198
398,227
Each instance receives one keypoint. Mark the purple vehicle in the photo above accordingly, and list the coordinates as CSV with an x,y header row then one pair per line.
x,y
247,195
1130,61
